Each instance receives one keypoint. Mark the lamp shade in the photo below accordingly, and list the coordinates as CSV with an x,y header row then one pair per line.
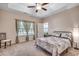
x,y
76,34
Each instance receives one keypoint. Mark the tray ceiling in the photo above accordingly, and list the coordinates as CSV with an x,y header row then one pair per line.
x,y
52,8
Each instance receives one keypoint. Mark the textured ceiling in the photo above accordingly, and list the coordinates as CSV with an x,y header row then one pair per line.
x,y
52,8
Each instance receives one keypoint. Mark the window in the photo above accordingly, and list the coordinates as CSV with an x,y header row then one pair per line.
x,y
21,28
45,27
31,30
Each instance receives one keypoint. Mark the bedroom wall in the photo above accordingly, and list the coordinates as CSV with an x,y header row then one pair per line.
x,y
7,23
65,20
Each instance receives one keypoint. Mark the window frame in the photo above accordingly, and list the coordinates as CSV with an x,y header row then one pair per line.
x,y
22,28
45,28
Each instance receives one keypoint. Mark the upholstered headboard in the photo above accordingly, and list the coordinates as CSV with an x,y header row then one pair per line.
x,y
64,34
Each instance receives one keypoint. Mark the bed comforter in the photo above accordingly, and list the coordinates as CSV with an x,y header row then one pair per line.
x,y
54,45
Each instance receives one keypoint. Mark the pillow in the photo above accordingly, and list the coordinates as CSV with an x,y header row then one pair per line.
x,y
56,34
66,35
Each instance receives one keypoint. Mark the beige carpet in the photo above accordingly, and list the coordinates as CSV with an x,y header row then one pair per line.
x,y
29,49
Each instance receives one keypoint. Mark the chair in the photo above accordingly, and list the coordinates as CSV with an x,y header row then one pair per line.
x,y
3,40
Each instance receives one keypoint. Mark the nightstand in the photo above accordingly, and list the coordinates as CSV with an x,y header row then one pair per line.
x,y
76,45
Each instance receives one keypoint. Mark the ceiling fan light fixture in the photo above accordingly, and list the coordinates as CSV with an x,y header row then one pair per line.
x,y
38,7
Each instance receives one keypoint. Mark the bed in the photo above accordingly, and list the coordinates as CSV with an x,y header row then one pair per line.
x,y
57,43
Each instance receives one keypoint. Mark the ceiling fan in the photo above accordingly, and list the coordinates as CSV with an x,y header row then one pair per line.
x,y
39,6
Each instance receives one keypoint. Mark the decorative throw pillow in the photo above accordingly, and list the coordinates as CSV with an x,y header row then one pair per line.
x,y
66,35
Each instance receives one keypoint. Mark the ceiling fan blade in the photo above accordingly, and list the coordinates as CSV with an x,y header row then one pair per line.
x,y
30,6
44,9
44,4
36,11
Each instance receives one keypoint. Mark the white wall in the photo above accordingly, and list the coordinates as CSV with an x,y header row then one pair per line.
x,y
7,23
65,20
40,30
